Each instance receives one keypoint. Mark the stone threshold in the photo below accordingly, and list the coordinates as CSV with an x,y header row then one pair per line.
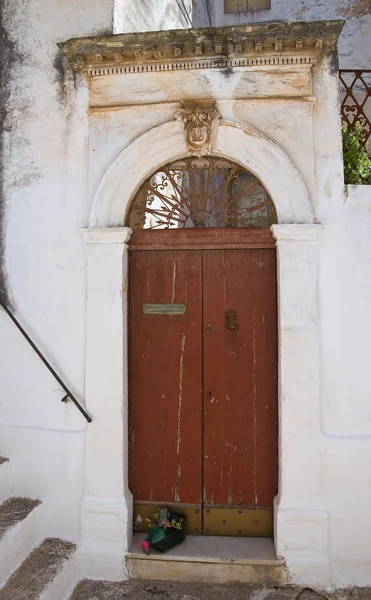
x,y
210,549
206,559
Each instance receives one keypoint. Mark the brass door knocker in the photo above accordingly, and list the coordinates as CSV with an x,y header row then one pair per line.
x,y
231,323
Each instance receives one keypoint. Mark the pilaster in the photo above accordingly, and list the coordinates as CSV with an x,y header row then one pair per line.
x,y
107,501
301,519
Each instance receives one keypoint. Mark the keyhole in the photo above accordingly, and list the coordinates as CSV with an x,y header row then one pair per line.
x,y
210,393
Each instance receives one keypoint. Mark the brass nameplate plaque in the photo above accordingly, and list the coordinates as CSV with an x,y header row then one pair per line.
x,y
164,309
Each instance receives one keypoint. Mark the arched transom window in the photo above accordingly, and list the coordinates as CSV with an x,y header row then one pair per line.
x,y
201,192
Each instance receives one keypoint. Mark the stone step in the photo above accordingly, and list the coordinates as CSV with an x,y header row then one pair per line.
x,y
44,575
159,590
6,485
18,533
206,559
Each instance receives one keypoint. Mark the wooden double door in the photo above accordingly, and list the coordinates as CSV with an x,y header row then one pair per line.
x,y
203,380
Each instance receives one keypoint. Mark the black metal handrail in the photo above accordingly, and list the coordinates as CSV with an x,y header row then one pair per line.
x,y
68,395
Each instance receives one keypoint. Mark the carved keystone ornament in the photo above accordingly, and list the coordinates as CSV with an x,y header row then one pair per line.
x,y
200,121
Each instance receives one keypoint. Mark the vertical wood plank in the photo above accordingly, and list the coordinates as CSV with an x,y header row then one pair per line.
x,y
240,378
264,293
165,378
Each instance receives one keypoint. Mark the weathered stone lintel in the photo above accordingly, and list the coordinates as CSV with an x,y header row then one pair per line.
x,y
196,48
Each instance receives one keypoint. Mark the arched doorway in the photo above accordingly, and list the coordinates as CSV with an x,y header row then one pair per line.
x,y
203,348
107,507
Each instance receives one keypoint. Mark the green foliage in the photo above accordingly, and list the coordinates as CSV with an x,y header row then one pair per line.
x,y
357,161
177,524
163,520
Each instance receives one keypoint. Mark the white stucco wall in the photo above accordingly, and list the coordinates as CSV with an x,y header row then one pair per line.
x,y
346,354
354,44
345,296
46,204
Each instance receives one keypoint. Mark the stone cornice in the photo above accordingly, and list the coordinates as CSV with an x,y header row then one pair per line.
x,y
262,44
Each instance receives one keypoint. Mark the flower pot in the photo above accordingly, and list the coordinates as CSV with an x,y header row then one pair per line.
x,y
164,539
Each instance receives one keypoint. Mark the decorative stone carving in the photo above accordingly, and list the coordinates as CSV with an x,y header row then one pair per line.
x,y
319,43
258,46
157,52
278,44
199,64
137,51
299,44
200,121
178,50
198,49
218,47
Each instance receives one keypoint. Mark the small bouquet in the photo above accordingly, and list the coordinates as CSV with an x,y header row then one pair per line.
x,y
165,531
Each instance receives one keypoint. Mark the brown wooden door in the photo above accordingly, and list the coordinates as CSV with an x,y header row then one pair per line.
x,y
203,386
240,390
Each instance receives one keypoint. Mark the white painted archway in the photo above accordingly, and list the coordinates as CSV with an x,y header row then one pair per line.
x,y
166,143
300,525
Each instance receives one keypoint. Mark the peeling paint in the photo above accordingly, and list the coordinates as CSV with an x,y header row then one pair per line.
x,y
174,281
180,400
232,450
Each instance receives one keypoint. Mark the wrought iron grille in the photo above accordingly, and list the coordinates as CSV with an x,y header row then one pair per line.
x,y
201,192
355,89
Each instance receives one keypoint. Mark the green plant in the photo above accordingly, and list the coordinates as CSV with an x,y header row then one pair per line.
x,y
357,161
162,519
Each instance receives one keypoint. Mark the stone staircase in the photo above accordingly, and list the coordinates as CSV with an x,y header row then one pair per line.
x,y
34,568
43,575
31,568
18,533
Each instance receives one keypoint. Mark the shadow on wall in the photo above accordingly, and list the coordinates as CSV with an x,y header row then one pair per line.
x,y
154,15
202,13
193,13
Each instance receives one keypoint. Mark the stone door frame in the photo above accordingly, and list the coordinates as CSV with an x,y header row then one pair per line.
x,y
300,518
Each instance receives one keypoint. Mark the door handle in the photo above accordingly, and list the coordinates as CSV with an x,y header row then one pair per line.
x,y
231,322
